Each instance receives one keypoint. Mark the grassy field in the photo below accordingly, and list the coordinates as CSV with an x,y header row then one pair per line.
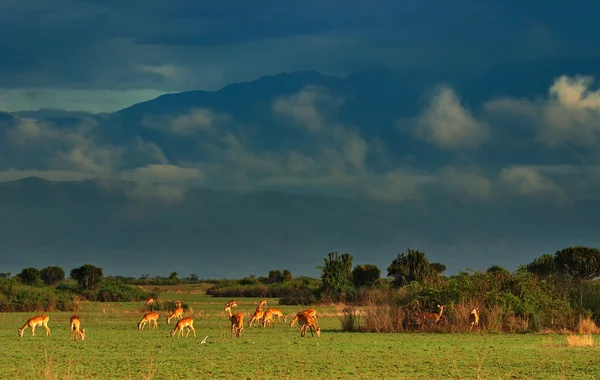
x,y
115,349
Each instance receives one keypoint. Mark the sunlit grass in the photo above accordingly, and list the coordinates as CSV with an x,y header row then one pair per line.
x,y
114,348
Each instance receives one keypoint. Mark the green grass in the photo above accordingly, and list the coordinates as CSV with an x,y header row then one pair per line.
x,y
115,349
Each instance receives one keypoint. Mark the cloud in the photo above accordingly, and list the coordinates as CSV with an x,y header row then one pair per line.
x,y
188,124
569,115
305,109
528,181
447,124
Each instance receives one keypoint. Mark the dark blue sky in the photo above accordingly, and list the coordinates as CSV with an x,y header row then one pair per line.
x,y
76,54
514,166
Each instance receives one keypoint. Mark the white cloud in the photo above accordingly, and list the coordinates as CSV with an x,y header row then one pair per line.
x,y
570,113
465,182
528,181
162,174
447,124
305,109
188,124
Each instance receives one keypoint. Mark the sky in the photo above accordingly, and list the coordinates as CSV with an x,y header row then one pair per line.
x,y
101,56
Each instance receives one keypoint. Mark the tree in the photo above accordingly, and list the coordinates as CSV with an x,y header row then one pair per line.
x,y
52,275
410,266
438,267
365,275
581,263
275,276
336,275
287,275
30,276
173,276
88,276
193,278
542,266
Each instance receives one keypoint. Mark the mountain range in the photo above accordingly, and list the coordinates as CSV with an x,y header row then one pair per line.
x,y
277,172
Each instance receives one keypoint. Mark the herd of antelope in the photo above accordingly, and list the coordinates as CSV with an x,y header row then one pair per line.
x,y
306,319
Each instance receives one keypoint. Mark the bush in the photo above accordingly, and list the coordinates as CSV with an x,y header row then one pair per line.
x,y
25,298
116,291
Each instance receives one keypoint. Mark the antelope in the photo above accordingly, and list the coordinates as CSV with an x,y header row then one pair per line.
x,y
312,312
474,318
185,322
176,313
38,320
278,313
150,301
306,321
74,328
258,314
237,320
177,303
431,317
147,318
267,318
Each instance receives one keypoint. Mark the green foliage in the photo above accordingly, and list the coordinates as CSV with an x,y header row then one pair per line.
x,y
116,291
287,275
88,276
275,276
579,262
336,275
410,266
17,297
30,276
52,275
542,266
365,275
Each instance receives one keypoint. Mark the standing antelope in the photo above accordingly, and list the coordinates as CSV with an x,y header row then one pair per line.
x,y
75,325
176,313
38,320
237,320
181,324
431,317
258,314
147,318
474,318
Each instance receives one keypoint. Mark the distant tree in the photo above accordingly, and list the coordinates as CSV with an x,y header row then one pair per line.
x,y
4,275
498,270
365,275
438,267
410,266
173,277
193,278
52,275
30,276
144,276
542,266
275,276
336,275
88,276
287,275
581,263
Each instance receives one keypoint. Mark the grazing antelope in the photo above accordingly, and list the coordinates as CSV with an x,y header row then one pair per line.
x,y
237,320
306,321
74,328
38,320
147,318
278,313
176,313
431,317
474,318
181,324
267,318
312,312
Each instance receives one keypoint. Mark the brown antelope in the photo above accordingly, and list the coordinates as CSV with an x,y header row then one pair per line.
x,y
312,312
150,301
267,318
176,313
278,313
237,320
474,318
306,321
38,320
181,324
258,314
177,303
147,318
75,325
429,317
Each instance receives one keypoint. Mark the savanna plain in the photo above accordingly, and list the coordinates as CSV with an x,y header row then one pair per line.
x,y
114,348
